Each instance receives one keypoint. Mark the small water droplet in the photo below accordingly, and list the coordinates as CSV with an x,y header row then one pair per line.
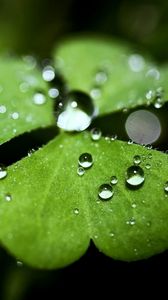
x,y
85,160
150,94
95,93
3,109
105,192
147,166
8,197
48,73
166,187
3,171
76,112
136,62
39,98
154,73
114,180
101,77
15,115
133,205
76,211
148,223
24,87
150,155
53,93
158,102
135,176
111,234
30,152
19,263
131,221
80,171
96,134
137,159
113,137
130,142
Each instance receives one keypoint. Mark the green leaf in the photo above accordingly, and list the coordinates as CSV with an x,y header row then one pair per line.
x,y
19,81
126,77
54,212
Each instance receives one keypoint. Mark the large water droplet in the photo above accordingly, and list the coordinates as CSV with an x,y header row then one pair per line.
x,y
3,171
135,176
96,134
76,112
143,127
85,160
105,192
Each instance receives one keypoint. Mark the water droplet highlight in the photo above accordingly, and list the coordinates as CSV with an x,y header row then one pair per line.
x,y
15,115
114,180
76,112
135,176
96,134
3,171
85,160
76,211
166,187
148,166
8,197
105,192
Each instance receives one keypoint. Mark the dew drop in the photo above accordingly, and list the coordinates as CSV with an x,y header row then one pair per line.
x,y
48,73
3,171
96,134
15,115
19,263
137,159
3,109
95,93
114,137
143,127
131,221
8,197
133,205
76,211
136,62
53,93
105,192
111,234
85,160
80,171
76,112
135,176
39,98
101,78
148,166
166,187
114,180
130,142
24,87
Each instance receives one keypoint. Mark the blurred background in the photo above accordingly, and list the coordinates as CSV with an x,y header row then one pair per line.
x,y
34,27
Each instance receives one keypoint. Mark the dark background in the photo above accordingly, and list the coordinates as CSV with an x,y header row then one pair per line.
x,y
34,27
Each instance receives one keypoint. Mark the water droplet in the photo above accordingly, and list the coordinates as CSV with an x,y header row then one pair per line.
x,y
39,98
95,93
130,142
76,112
8,197
133,205
114,137
24,87
30,61
137,159
3,171
111,234
76,211
136,62
48,73
154,73
30,152
150,155
143,127
105,192
53,93
96,134
147,166
3,109
15,115
148,223
166,187
85,160
131,221
158,103
101,77
114,180
135,176
19,263
150,94
80,171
